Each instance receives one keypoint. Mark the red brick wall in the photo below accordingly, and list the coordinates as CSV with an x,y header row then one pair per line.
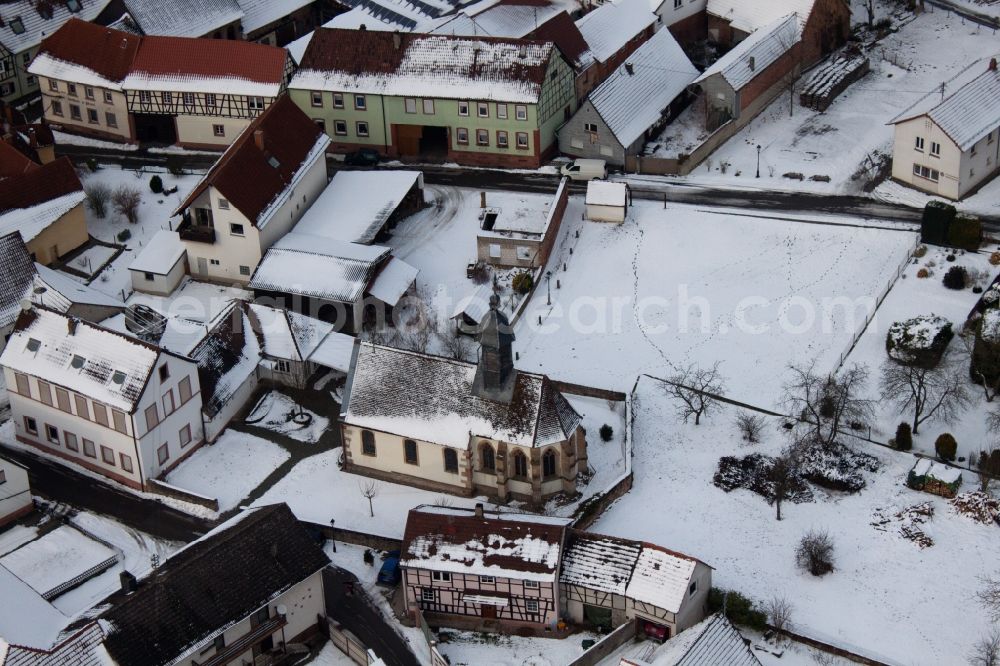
x,y
721,27
763,82
828,27
557,212
691,29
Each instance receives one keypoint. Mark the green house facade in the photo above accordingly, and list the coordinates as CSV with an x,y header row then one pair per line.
x,y
472,100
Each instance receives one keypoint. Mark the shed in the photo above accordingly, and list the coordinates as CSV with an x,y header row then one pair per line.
x,y
606,201
160,266
933,477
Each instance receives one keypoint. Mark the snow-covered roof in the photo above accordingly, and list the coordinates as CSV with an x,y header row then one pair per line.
x,y
318,266
939,471
475,305
340,213
372,17
431,398
599,562
335,351
369,62
750,16
755,53
612,25
85,358
259,13
25,617
71,291
185,18
160,255
285,334
393,281
661,578
969,111
711,642
990,327
510,545
36,219
227,355
18,276
36,27
403,15
606,193
633,98
33,200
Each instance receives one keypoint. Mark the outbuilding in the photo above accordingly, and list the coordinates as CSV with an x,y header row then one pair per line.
x,y
607,201
160,266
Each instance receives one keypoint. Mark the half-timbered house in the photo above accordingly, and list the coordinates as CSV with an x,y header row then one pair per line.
x,y
484,570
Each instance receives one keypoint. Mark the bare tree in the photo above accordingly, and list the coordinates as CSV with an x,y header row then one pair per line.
x,y
930,393
779,612
98,195
750,426
126,201
988,468
369,490
815,553
870,9
782,476
459,347
696,389
986,651
827,403
989,596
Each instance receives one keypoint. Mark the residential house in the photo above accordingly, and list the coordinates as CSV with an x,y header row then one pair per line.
x,y
46,205
160,265
686,19
287,340
948,142
459,427
742,82
823,25
483,570
607,581
632,105
216,19
278,23
243,593
711,642
613,31
484,101
24,25
254,194
520,238
606,201
121,407
15,493
118,86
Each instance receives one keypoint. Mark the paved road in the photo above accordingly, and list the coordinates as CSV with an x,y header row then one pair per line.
x,y
359,615
61,484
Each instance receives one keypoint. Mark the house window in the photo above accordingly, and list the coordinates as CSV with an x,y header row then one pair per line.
x,y
163,454
918,143
168,99
487,579
531,605
219,643
255,103
361,127
427,594
17,25
521,112
487,460
520,465
522,140
218,130
53,85
52,433
3,476
71,87
70,440
108,97
214,262
462,136
935,149
88,92
317,98
410,451
495,251
45,392
31,425
693,588
152,418
168,403
119,418
23,386
89,449
164,372
548,464
926,172
531,584
244,270
126,462
81,407
236,229
338,100
410,105
360,103
209,100
101,414
188,99
451,461
502,111
145,97
57,109
62,400
429,107
74,112
367,442
184,388
110,119
283,366
482,137
223,204
501,139
590,127
678,4
185,436
463,108
483,110
321,124
107,455
92,116
443,576
340,127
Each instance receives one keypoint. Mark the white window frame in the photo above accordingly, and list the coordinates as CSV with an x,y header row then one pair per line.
x,y
410,105
428,106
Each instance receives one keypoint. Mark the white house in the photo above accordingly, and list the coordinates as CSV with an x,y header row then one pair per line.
x,y
254,194
83,393
15,492
948,142
606,201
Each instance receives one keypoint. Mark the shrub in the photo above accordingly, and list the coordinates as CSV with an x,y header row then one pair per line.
x,y
124,235
904,437
750,426
98,195
936,222
175,165
950,257
607,432
815,553
522,282
955,278
739,609
923,273
922,250
966,232
92,164
156,184
126,200
946,446
919,341
995,259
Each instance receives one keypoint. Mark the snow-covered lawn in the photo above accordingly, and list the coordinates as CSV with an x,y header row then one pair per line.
x,y
885,596
229,469
91,259
274,411
55,558
685,285
469,648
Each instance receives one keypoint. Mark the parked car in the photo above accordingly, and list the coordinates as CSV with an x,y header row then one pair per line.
x,y
585,169
389,574
362,157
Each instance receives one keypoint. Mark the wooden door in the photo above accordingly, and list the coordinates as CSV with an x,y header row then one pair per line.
x,y
489,612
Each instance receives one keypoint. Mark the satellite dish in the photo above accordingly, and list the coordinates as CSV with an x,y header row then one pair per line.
x,y
25,304
280,608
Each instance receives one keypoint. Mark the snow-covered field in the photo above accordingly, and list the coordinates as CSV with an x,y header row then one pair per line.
x,y
55,558
685,285
273,411
886,596
230,468
468,648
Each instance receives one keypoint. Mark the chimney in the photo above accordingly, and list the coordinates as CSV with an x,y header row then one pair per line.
x,y
397,40
362,27
128,582
258,139
751,63
32,138
482,199
629,69
522,51
479,510
71,325
993,65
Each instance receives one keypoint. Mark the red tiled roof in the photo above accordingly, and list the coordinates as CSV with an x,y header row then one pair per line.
x,y
39,185
105,51
244,174
172,56
561,30
13,162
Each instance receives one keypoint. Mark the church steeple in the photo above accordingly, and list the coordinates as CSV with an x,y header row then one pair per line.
x,y
495,373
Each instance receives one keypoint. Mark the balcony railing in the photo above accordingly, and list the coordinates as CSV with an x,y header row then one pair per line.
x,y
246,642
196,232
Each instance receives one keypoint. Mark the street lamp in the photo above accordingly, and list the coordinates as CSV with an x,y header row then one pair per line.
x,y
548,287
758,160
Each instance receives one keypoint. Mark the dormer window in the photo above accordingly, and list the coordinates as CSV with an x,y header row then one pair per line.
x,y
118,377
78,361
17,25
33,345
73,5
